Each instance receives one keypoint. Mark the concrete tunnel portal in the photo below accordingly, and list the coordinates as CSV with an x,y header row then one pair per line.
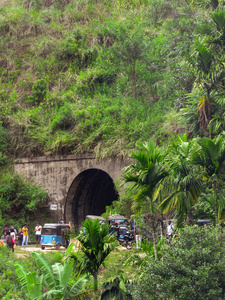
x,y
89,194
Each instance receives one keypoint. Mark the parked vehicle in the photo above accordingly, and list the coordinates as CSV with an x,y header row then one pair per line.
x,y
127,240
55,235
202,222
93,217
121,221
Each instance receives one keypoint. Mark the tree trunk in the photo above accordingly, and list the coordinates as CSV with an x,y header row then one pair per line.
x,y
215,212
215,202
155,243
161,227
214,4
95,276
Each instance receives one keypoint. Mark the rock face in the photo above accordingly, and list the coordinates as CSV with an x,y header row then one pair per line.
x,y
76,185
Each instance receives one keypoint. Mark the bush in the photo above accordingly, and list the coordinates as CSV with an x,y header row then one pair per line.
x,y
192,268
3,143
19,199
9,282
64,119
39,92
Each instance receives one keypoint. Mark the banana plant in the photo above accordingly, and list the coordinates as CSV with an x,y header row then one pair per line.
x,y
54,279
31,283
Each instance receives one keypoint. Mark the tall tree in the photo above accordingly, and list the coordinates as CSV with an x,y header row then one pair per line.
x,y
207,61
128,50
147,174
183,186
211,158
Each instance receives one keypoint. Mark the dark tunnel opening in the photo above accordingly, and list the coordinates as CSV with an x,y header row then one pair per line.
x,y
90,193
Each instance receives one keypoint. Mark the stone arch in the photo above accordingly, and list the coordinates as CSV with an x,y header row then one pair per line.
x,y
90,192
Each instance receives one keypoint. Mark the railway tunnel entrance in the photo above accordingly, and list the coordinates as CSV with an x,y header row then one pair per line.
x,y
90,192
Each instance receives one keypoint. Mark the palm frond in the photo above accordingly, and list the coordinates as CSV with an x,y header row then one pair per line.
x,y
77,287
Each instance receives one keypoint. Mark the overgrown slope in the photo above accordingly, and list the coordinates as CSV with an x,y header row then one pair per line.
x,y
84,75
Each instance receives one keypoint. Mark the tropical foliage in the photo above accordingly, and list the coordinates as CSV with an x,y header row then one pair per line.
x,y
172,182
147,175
96,245
54,278
20,201
191,268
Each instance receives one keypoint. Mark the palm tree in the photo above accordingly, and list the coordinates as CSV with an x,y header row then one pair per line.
x,y
147,174
128,50
207,62
54,279
96,245
211,158
183,186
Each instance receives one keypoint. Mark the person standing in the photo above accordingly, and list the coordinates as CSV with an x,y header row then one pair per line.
x,y
6,229
12,233
37,230
20,237
169,230
9,241
25,235
12,227
116,230
4,237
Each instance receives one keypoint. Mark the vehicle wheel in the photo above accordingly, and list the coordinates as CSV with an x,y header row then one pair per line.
x,y
42,247
129,246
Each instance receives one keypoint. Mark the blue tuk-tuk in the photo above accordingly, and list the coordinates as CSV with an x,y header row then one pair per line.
x,y
54,235
122,223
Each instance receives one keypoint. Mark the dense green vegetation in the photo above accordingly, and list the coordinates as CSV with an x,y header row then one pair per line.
x,y
80,76
21,202
191,265
56,279
98,76
96,245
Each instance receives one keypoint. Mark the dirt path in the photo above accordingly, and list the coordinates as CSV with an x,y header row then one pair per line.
x,y
22,251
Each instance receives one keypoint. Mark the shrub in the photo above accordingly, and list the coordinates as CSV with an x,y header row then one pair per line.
x,y
20,199
9,281
3,141
64,119
91,79
192,268
39,92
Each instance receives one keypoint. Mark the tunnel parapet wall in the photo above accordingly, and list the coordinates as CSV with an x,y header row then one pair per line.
x,y
55,174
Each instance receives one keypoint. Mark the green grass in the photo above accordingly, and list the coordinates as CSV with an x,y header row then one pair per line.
x,y
64,91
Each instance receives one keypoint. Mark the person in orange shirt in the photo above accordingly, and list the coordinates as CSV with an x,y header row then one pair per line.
x,y
25,235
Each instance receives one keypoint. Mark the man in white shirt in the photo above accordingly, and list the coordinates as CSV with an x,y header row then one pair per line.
x,y
169,230
37,230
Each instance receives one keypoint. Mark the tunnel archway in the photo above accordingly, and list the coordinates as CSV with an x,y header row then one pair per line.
x,y
90,192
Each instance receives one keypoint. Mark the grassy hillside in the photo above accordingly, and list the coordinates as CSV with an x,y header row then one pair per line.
x,y
84,75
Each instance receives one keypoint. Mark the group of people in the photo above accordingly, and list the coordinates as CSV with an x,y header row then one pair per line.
x,y
11,236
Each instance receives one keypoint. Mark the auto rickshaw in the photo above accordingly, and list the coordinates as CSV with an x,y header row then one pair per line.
x,y
54,235
93,217
121,221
